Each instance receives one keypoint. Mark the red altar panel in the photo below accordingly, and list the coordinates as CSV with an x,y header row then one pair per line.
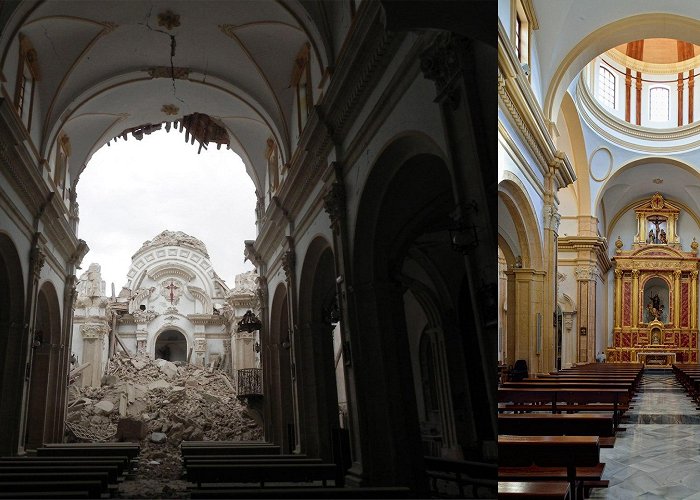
x,y
685,340
627,304
684,305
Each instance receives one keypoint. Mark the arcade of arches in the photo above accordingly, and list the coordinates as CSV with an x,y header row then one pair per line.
x,y
366,130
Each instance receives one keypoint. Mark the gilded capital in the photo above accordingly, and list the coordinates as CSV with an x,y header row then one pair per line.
x,y
618,273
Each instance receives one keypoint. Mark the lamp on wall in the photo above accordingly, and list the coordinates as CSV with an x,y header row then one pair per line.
x,y
464,238
249,323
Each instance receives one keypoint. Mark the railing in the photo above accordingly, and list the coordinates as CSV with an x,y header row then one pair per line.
x,y
249,382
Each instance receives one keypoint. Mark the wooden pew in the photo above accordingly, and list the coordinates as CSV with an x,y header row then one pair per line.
x,y
550,451
77,488
557,400
112,471
264,473
122,463
560,424
80,449
462,473
528,490
303,492
230,450
236,458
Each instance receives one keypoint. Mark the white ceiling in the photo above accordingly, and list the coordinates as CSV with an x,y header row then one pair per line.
x,y
95,59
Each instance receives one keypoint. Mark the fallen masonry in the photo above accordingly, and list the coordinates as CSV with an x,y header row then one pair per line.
x,y
158,403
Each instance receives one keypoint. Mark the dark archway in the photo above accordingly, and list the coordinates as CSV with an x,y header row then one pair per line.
x,y
171,345
278,379
315,370
13,345
43,385
401,236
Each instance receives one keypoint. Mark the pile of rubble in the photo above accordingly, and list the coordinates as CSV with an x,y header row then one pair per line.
x,y
158,403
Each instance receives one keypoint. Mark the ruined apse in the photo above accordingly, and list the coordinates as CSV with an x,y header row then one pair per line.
x,y
174,306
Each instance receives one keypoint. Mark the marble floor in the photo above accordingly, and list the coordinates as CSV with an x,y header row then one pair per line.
x,y
658,455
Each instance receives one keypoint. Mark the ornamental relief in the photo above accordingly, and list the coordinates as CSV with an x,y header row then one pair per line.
x,y
200,344
93,331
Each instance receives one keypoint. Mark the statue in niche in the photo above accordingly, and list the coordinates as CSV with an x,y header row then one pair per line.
x,y
655,336
655,308
651,238
662,236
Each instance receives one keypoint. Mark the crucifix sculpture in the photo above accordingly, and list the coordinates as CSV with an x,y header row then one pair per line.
x,y
172,287
656,220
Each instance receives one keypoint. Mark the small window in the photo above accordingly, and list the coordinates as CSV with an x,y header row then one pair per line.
x,y
606,87
658,104
301,80
27,75
519,37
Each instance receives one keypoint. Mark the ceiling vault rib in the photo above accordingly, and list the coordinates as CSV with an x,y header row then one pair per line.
x,y
47,142
234,37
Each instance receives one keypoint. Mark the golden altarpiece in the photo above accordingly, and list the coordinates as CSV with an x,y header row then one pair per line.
x,y
655,292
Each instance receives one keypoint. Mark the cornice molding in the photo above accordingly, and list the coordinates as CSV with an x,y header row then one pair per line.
x,y
516,96
596,245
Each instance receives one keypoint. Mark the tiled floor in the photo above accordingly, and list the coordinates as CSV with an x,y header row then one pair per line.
x,y
658,456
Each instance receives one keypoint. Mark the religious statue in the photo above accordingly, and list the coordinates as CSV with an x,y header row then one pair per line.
x,y
662,236
651,238
654,308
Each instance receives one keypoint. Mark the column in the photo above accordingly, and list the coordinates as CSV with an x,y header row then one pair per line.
x,y
93,339
693,300
677,298
635,298
289,267
586,279
200,350
618,299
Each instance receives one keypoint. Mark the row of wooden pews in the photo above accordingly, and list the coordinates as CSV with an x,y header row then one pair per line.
x,y
76,470
234,469
688,374
551,429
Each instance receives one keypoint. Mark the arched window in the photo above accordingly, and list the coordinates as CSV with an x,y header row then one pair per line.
x,y
658,104
606,87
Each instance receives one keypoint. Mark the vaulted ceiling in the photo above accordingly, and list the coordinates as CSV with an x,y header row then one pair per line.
x,y
111,65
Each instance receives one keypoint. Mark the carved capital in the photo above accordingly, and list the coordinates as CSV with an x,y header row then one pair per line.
x,y
261,291
144,317
335,205
618,273
200,345
551,217
288,262
441,63
93,331
227,345
142,346
635,273
694,275
585,272
677,274
37,258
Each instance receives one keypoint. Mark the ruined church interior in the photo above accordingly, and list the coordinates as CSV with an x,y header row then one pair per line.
x,y
358,359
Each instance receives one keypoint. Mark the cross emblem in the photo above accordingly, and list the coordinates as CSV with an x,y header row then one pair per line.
x,y
172,287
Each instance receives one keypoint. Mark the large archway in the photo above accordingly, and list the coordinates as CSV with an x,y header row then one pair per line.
x,y
13,345
318,396
402,237
171,345
279,415
43,386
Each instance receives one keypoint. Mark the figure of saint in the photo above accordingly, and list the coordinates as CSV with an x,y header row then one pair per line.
x,y
651,238
662,237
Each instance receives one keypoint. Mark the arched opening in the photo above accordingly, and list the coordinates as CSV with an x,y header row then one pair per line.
x,y
12,345
314,351
43,386
279,419
402,240
171,345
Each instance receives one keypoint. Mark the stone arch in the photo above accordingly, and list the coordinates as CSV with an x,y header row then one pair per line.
x,y
43,386
279,410
171,344
521,210
405,207
313,351
13,344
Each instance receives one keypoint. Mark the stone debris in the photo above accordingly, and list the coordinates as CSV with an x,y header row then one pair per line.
x,y
158,403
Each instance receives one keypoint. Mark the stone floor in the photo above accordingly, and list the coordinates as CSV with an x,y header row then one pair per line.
x,y
658,456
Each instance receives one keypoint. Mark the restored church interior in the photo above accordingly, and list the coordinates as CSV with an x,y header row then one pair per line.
x,y
359,359
598,235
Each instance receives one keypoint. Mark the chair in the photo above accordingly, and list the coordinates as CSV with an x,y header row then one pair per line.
x,y
519,371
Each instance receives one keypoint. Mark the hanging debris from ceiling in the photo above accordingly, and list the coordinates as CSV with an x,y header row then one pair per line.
x,y
197,127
